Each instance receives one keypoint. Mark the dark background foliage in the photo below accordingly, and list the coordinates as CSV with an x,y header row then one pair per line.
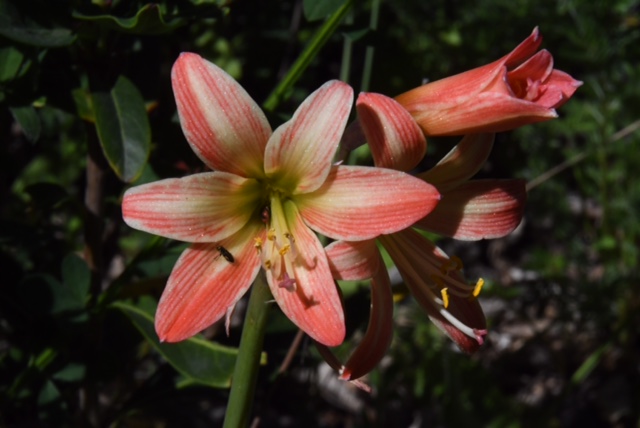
x,y
78,286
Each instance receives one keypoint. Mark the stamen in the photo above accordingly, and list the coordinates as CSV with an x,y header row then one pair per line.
x,y
284,250
445,297
478,288
258,244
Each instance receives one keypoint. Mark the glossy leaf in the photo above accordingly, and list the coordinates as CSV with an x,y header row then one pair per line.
x,y
123,128
199,360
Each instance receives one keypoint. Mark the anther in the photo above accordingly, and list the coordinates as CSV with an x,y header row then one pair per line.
x,y
478,288
445,297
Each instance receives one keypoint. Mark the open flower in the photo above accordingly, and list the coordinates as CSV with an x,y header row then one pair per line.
x,y
470,210
520,88
258,207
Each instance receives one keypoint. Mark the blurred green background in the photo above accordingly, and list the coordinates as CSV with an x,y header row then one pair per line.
x,y
78,79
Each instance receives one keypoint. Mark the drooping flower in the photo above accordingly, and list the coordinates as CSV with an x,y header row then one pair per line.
x,y
260,205
470,210
520,88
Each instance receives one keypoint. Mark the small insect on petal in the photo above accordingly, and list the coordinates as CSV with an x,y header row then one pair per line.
x,y
225,253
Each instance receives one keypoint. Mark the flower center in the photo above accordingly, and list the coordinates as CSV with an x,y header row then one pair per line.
x,y
279,252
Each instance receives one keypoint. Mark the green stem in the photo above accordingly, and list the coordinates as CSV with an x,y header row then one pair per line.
x,y
305,58
368,58
245,374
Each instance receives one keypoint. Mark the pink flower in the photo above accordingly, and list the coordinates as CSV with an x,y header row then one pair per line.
x,y
260,205
520,88
469,210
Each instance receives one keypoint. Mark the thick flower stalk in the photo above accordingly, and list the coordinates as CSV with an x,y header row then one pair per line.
x,y
259,208
520,88
469,210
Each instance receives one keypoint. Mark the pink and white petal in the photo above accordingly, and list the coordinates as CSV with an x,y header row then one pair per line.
x,y
478,209
395,139
357,203
461,163
221,122
353,260
377,338
299,154
206,207
314,303
203,285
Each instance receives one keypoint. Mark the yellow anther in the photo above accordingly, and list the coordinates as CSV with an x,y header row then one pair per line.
x,y
257,242
267,264
284,250
445,297
271,234
478,288
289,237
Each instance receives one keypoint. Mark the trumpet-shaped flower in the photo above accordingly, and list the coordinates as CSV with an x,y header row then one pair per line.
x,y
259,207
520,88
470,210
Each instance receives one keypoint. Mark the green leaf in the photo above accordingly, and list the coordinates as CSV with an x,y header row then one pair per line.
x,y
76,277
199,360
18,27
123,128
148,20
11,64
590,364
28,119
72,372
319,9
84,106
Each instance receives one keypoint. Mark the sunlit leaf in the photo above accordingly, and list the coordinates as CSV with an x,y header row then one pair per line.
x,y
199,360
123,128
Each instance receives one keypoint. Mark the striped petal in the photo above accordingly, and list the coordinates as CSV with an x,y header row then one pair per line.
x,y
461,163
377,338
353,260
394,137
313,304
478,209
221,122
205,207
357,203
205,283
299,154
